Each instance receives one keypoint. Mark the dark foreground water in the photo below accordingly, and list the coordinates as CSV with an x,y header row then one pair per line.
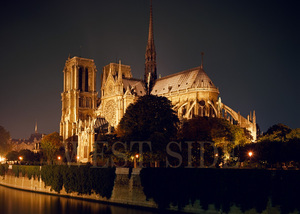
x,y
14,201
215,191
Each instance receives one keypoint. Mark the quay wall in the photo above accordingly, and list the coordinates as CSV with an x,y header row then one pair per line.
x,y
127,190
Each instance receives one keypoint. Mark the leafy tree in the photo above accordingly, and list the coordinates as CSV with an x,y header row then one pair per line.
x,y
4,141
151,118
294,135
225,135
276,133
51,145
12,155
217,130
278,145
27,155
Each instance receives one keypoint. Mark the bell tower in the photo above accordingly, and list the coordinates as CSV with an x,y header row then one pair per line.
x,y
79,97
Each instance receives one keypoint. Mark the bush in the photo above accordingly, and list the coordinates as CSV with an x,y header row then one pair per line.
x,y
80,179
3,169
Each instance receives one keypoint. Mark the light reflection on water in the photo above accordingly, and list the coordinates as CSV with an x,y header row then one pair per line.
x,y
14,201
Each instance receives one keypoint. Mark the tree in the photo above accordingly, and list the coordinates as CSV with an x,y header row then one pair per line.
x,y
12,156
225,135
294,135
277,132
51,145
28,156
4,141
151,118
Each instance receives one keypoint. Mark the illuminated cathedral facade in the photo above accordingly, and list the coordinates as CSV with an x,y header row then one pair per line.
x,y
191,92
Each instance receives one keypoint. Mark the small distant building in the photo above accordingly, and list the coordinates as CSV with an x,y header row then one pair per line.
x,y
33,143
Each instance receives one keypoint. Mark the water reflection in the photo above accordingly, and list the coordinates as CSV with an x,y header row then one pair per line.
x,y
15,201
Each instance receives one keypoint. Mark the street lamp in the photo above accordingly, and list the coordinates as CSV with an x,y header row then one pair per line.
x,y
135,160
250,154
20,158
58,158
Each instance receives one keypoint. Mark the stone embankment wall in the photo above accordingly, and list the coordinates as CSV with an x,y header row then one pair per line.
x,y
127,190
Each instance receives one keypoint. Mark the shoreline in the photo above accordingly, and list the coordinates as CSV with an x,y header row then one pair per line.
x,y
127,192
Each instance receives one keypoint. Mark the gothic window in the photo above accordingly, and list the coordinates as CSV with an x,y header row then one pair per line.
x,y
81,104
80,79
88,102
202,103
86,84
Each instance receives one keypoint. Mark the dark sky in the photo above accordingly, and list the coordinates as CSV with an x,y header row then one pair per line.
x,y
252,52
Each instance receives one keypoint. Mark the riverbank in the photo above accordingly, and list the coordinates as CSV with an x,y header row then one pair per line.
x,y
185,190
127,190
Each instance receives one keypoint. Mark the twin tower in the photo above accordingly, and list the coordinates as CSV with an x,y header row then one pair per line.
x,y
191,92
83,111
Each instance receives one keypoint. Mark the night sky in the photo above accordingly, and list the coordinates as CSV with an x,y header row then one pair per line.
x,y
251,52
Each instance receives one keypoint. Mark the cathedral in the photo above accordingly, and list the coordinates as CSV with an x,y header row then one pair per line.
x,y
191,92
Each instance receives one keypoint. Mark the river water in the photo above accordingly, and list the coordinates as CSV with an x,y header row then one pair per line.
x,y
14,201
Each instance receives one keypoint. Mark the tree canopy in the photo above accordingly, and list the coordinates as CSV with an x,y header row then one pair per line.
x,y
280,133
225,136
51,144
217,130
4,141
151,118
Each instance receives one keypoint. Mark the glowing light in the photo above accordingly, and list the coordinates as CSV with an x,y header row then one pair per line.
x,y
20,158
77,157
58,157
137,156
217,155
250,154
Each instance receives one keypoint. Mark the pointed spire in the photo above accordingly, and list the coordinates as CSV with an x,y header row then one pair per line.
x,y
202,54
120,72
150,56
150,33
35,128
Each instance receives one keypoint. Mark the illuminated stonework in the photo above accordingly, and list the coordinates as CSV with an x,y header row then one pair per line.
x,y
191,92
110,112
79,101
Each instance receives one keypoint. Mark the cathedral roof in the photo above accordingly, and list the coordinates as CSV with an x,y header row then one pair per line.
x,y
135,85
192,78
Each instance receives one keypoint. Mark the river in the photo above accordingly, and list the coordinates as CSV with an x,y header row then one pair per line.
x,y
14,201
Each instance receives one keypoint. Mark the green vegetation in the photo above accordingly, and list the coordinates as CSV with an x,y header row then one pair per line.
x,y
28,157
220,132
80,179
4,141
83,179
3,169
51,145
244,188
30,171
12,156
278,147
151,118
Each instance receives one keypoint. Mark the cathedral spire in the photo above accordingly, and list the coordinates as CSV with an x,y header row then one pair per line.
x,y
120,72
150,57
35,128
202,54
